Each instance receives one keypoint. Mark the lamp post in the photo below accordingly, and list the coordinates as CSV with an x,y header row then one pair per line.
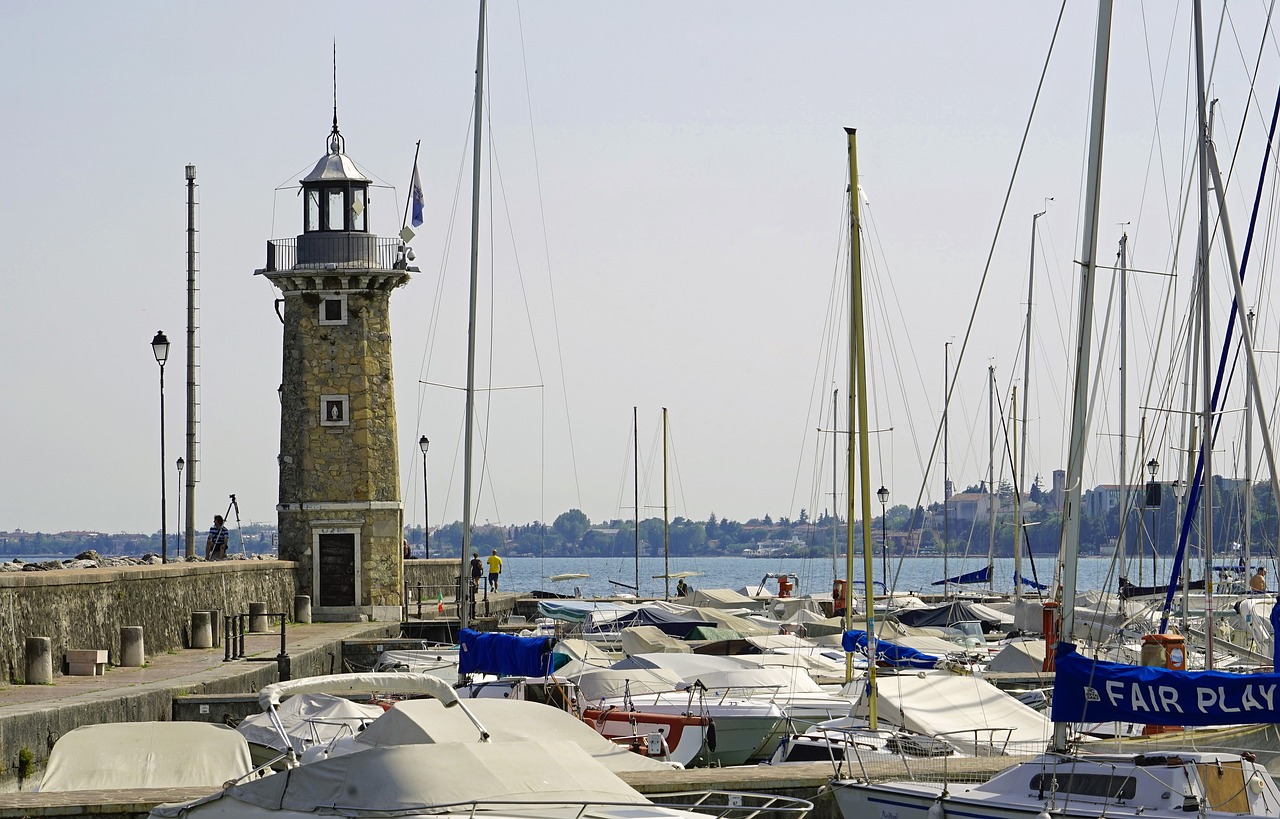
x,y
160,346
181,463
883,494
1153,503
423,443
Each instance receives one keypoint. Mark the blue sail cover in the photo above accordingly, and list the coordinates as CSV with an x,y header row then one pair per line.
x,y
1087,690
1029,583
980,576
895,655
504,654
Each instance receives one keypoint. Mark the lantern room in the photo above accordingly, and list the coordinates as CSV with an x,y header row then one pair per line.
x,y
335,195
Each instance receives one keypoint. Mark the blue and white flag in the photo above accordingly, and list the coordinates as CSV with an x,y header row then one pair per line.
x,y
415,191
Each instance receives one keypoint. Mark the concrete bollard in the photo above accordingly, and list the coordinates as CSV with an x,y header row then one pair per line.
x,y
201,630
302,608
39,663
258,623
132,651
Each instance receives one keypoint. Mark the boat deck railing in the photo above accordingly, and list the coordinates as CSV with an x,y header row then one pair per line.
x,y
721,804
970,756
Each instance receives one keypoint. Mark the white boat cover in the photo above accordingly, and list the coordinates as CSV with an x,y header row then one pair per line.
x,y
938,702
723,599
309,719
418,722
741,623
577,611
407,779
608,682
390,682
1255,617
644,639
439,662
146,755
578,649
1022,656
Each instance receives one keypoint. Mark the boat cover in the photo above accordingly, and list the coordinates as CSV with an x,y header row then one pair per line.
x,y
576,611
982,575
960,708
309,719
492,652
416,722
643,639
1019,656
146,755
672,623
721,673
412,778
1101,691
724,599
608,682
957,611
898,656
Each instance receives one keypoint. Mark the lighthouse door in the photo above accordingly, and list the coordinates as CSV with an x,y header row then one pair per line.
x,y
336,569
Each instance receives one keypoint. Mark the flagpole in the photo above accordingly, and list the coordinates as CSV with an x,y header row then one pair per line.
x,y
409,196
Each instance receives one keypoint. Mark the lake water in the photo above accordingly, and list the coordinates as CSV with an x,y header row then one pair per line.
x,y
815,575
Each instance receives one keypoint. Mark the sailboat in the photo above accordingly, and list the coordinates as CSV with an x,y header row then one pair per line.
x,y
1064,782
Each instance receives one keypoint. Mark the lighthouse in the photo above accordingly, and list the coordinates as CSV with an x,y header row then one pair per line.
x,y
340,513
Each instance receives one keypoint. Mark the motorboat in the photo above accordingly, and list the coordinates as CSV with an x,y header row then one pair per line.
x,y
308,720
117,755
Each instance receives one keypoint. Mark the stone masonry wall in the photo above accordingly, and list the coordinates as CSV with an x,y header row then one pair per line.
x,y
85,608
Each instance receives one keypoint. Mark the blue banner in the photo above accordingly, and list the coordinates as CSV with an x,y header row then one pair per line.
x,y
1087,690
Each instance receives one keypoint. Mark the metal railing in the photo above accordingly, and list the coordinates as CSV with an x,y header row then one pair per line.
x,y
319,251
236,626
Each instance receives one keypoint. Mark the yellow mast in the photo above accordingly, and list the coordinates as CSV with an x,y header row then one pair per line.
x,y
858,394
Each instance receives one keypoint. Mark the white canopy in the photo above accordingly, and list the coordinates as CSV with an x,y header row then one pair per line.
x,y
419,722
1024,656
938,702
608,682
146,755
393,683
409,778
642,639
723,599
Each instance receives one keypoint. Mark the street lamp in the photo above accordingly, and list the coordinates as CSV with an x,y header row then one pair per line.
x,y
883,494
160,346
181,464
423,443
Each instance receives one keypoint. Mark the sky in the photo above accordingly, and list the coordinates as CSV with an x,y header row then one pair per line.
x,y
663,225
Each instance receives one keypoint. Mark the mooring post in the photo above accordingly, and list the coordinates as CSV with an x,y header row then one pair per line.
x,y
39,661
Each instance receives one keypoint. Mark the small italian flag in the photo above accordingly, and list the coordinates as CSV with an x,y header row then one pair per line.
x,y
440,602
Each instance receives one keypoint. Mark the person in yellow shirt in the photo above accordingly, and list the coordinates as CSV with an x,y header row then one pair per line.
x,y
495,569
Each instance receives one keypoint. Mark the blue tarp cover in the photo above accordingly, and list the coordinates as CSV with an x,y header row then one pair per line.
x,y
503,654
1026,581
675,625
980,576
1087,690
855,641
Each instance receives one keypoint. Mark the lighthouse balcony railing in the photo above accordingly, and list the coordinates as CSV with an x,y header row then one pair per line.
x,y
328,251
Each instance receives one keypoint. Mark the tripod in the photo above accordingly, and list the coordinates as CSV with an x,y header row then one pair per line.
x,y
236,506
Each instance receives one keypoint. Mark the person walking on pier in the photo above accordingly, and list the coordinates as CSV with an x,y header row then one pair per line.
x,y
495,569
215,546
477,572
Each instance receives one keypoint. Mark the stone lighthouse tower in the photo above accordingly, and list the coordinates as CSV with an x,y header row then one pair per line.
x,y
340,513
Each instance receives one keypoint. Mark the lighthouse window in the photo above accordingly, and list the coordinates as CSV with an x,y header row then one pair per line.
x,y
357,209
335,209
313,211
333,309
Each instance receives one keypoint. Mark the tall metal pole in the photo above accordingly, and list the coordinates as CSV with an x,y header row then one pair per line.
x,y
859,355
1084,340
635,471
946,476
1248,466
1018,534
423,444
189,534
1206,438
991,472
666,525
464,586
835,491
1124,409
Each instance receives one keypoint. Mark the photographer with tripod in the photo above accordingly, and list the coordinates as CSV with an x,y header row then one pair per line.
x,y
215,546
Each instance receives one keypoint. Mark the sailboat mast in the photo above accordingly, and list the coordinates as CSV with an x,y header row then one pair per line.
x,y
1084,341
464,587
635,443
835,489
1248,463
946,475
1126,489
666,518
859,358
1018,535
991,473
1206,405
